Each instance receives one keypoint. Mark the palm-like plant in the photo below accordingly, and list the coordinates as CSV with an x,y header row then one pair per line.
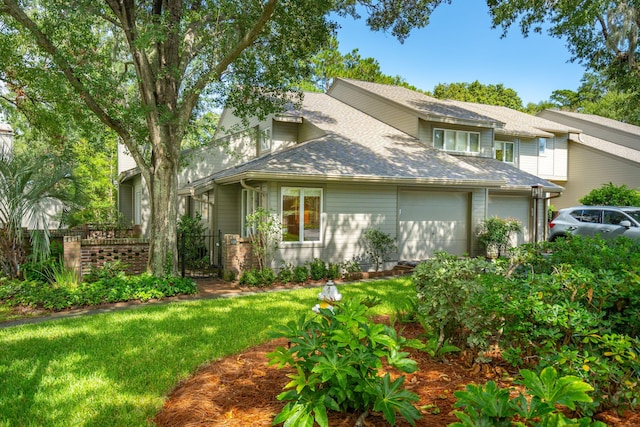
x,y
28,188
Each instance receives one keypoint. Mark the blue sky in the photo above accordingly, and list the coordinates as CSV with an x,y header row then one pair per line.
x,y
459,45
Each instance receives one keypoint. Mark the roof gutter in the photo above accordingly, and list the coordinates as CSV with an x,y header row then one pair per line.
x,y
232,179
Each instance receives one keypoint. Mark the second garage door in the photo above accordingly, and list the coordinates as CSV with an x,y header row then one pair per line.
x,y
431,221
512,207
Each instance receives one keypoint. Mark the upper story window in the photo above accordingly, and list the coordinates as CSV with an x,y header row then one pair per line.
x,y
301,214
456,141
265,140
504,151
542,146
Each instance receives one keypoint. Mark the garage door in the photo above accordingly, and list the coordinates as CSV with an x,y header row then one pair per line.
x,y
431,221
512,207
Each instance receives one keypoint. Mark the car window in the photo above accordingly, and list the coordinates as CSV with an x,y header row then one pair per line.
x,y
613,217
634,214
587,215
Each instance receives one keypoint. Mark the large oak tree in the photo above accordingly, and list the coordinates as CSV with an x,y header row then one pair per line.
x,y
143,68
602,34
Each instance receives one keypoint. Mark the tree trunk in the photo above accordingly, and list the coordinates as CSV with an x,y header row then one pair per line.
x,y
163,191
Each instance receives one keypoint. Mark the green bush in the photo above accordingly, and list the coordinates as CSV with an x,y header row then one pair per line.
x,y
571,305
120,288
612,195
285,274
496,233
448,291
257,277
300,274
540,405
317,269
378,246
337,356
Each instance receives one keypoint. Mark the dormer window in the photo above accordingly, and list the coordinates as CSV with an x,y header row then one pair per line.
x,y
265,140
456,141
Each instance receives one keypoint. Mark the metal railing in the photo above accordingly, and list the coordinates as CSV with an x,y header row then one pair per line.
x,y
200,256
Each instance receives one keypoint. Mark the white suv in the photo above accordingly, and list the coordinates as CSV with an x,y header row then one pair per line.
x,y
607,222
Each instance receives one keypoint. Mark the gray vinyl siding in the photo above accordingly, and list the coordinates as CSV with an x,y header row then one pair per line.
x,y
284,135
227,218
379,108
308,132
560,157
348,210
545,162
590,169
598,130
528,156
125,202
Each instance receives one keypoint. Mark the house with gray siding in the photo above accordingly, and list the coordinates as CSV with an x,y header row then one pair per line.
x,y
366,156
602,151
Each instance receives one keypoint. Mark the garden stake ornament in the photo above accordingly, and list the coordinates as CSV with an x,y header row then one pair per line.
x,y
328,295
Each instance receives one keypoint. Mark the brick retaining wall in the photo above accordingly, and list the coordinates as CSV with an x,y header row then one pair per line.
x,y
82,254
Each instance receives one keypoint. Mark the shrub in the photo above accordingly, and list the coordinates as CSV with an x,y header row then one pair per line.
x,y
300,274
334,271
378,246
257,277
496,234
448,291
612,195
337,357
285,274
571,305
490,405
116,289
317,269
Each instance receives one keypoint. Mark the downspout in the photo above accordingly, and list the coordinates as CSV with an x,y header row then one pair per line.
x,y
248,187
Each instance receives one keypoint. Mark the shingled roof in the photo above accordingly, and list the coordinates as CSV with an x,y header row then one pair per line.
x,y
357,147
506,121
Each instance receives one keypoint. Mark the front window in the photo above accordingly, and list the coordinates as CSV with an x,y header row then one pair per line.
x,y
504,151
301,214
456,141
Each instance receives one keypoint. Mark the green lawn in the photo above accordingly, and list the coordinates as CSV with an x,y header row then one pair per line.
x,y
115,369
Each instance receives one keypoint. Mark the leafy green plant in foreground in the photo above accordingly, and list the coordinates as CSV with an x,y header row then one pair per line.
x,y
493,406
337,356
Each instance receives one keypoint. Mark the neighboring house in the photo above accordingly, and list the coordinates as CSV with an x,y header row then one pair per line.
x,y
367,155
603,151
6,139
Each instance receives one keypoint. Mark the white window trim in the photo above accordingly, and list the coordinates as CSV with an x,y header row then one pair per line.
x,y
543,144
252,199
265,140
301,205
513,151
467,151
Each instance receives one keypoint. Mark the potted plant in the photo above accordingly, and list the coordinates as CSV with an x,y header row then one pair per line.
x,y
495,234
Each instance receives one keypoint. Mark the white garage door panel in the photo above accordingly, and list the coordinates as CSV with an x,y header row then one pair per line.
x,y
512,207
432,221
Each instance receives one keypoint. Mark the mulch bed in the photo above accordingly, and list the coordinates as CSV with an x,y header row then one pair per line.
x,y
241,390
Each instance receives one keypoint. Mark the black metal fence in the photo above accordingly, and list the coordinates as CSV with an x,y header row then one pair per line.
x,y
200,256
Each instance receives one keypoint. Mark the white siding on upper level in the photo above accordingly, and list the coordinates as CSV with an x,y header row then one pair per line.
x,y
125,160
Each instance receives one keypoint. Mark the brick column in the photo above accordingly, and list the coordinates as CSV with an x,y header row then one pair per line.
x,y
72,254
238,254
